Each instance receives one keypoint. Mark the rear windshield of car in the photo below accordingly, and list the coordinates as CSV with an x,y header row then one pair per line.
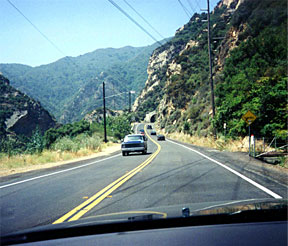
x,y
133,138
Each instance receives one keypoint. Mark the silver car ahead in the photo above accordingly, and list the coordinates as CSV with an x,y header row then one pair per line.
x,y
134,143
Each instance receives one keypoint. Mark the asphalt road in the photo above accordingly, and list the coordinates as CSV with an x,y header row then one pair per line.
x,y
170,174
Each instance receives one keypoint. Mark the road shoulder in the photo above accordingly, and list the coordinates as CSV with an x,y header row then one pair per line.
x,y
6,175
242,162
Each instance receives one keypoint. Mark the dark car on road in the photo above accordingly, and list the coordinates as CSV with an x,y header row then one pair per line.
x,y
142,132
134,143
160,137
149,127
153,132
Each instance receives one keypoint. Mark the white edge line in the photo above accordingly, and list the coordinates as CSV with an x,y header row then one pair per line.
x,y
62,171
261,187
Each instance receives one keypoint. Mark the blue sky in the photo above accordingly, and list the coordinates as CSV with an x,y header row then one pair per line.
x,y
80,26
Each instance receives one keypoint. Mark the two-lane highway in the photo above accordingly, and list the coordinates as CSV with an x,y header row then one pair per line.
x,y
46,197
170,174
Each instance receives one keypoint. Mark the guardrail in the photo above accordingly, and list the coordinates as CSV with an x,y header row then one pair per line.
x,y
268,147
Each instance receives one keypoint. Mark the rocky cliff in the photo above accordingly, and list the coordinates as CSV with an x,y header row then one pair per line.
x,y
19,114
178,86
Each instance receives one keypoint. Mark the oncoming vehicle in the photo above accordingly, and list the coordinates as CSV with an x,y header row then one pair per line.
x,y
160,137
134,143
149,127
142,132
153,132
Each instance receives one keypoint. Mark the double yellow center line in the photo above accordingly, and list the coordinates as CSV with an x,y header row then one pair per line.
x,y
86,206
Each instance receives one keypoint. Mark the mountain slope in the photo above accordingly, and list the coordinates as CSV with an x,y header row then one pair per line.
x,y
56,84
119,78
249,60
20,114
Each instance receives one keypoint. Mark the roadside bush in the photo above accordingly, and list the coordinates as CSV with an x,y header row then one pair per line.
x,y
186,127
70,130
35,143
92,143
11,146
82,141
20,144
66,144
119,126
88,142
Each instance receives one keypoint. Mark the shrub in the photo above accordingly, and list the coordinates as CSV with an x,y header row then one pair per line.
x,y
66,144
88,142
35,143
186,127
71,130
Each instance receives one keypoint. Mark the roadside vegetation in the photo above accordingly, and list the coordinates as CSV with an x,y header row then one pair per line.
x,y
239,144
64,143
252,75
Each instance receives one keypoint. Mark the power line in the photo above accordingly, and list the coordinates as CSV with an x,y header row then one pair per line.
x,y
185,9
143,19
190,4
198,4
112,96
135,22
117,94
37,29
42,34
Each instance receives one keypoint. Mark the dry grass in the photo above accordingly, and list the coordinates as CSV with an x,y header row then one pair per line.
x,y
220,143
242,144
47,156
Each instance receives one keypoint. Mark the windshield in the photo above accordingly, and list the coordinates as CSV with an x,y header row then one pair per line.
x,y
203,82
133,138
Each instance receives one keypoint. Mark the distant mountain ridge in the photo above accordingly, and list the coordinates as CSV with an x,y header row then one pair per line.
x,y
59,85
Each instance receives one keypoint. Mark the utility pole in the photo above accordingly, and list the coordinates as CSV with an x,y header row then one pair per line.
x,y
210,66
129,101
104,114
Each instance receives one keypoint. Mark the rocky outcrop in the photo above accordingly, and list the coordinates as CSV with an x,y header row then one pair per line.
x,y
231,4
172,64
20,114
158,61
231,39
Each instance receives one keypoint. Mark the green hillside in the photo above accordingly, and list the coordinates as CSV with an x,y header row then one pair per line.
x,y
255,74
249,52
57,84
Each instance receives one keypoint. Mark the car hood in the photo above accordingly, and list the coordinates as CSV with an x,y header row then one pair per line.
x,y
195,209
168,212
